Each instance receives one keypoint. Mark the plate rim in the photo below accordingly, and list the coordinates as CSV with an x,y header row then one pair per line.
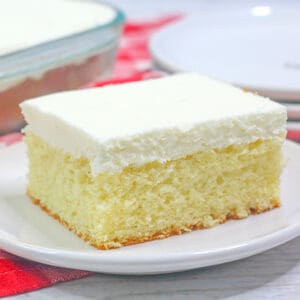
x,y
275,237
164,64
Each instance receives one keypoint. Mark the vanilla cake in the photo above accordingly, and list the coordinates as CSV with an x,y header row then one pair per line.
x,y
130,163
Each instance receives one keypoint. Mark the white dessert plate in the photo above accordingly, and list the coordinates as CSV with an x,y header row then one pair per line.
x,y
293,125
28,232
257,48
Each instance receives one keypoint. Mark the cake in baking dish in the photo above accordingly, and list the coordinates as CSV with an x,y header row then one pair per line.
x,y
129,163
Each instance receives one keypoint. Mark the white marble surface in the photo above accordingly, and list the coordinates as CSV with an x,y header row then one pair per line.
x,y
274,274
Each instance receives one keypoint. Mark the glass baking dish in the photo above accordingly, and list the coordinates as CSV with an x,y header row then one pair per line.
x,y
61,64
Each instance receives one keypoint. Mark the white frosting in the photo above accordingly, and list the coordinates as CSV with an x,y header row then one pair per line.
x,y
154,120
31,22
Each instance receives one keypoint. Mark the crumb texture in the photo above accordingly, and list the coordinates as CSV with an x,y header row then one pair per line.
x,y
157,199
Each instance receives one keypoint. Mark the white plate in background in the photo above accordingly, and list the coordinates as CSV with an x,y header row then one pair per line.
x,y
256,48
30,233
295,126
293,111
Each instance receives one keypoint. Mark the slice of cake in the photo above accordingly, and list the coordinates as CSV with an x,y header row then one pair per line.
x,y
130,163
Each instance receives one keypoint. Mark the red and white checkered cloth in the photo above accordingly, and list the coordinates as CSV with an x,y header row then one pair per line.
x,y
18,275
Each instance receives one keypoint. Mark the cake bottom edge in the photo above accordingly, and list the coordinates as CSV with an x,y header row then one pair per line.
x,y
158,235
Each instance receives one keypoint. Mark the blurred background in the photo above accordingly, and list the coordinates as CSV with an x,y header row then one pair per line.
x,y
49,46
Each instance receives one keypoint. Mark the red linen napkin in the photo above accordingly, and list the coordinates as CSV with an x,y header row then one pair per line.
x,y
18,275
293,135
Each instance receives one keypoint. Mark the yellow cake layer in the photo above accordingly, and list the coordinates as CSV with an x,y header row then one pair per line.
x,y
156,199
